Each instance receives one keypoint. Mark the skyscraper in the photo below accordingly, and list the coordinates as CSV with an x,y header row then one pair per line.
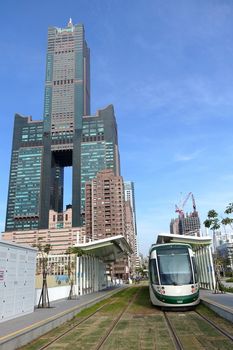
x,y
108,215
99,148
67,136
25,174
130,196
105,206
67,99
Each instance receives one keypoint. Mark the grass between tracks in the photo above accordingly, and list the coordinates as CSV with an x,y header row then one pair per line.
x,y
196,334
141,327
221,322
113,306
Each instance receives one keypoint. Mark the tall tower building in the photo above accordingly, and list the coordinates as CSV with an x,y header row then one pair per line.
x,y
105,206
108,215
99,147
67,100
67,136
131,236
130,196
25,173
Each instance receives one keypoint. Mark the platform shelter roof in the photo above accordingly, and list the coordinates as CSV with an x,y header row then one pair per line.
x,y
203,254
107,249
194,241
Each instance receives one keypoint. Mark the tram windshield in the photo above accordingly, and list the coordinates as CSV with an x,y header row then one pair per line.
x,y
174,266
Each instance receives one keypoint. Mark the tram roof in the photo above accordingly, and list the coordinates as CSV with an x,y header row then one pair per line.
x,y
107,249
194,241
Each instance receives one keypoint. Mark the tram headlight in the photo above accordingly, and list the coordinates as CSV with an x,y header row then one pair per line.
x,y
160,290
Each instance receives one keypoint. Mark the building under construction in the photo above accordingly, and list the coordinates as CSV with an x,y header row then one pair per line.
x,y
186,224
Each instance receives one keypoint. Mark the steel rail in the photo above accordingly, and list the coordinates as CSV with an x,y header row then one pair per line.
x,y
115,322
72,327
222,331
172,331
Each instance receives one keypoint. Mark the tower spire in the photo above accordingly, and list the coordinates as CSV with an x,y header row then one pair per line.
x,y
70,24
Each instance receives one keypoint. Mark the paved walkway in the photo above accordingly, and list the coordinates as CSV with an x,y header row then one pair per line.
x,y
221,303
13,328
58,308
64,305
224,299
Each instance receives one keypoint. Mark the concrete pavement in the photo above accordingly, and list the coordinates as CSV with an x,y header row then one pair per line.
x,y
221,303
22,330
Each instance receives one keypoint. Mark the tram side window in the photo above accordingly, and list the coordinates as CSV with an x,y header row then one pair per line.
x,y
195,269
154,271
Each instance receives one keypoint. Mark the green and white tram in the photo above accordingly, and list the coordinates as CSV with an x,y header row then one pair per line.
x,y
173,280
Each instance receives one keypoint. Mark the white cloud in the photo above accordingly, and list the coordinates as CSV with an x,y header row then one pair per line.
x,y
183,158
186,157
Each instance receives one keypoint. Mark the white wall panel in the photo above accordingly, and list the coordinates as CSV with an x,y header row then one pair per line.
x,y
17,280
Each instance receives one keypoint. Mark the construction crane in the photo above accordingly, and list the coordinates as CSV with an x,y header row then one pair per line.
x,y
180,209
194,204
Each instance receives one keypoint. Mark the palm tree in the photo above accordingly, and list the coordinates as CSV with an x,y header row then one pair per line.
x,y
212,222
228,220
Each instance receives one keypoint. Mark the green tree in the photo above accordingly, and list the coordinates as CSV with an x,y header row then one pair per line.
x,y
43,254
71,267
227,220
212,222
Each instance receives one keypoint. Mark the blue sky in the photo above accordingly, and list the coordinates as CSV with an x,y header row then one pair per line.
x,y
166,66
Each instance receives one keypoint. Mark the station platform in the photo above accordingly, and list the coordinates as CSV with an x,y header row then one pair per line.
x,y
22,330
221,303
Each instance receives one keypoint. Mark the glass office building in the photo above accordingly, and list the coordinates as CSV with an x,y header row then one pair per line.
x,y
67,136
24,184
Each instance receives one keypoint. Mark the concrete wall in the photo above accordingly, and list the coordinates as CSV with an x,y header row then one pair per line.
x,y
17,280
55,293
90,278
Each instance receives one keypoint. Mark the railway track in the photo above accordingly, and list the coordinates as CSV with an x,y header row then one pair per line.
x,y
75,326
127,321
72,327
219,329
174,334
115,322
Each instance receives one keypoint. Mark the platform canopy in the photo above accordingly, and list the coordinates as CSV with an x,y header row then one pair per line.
x,y
107,249
194,241
202,248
